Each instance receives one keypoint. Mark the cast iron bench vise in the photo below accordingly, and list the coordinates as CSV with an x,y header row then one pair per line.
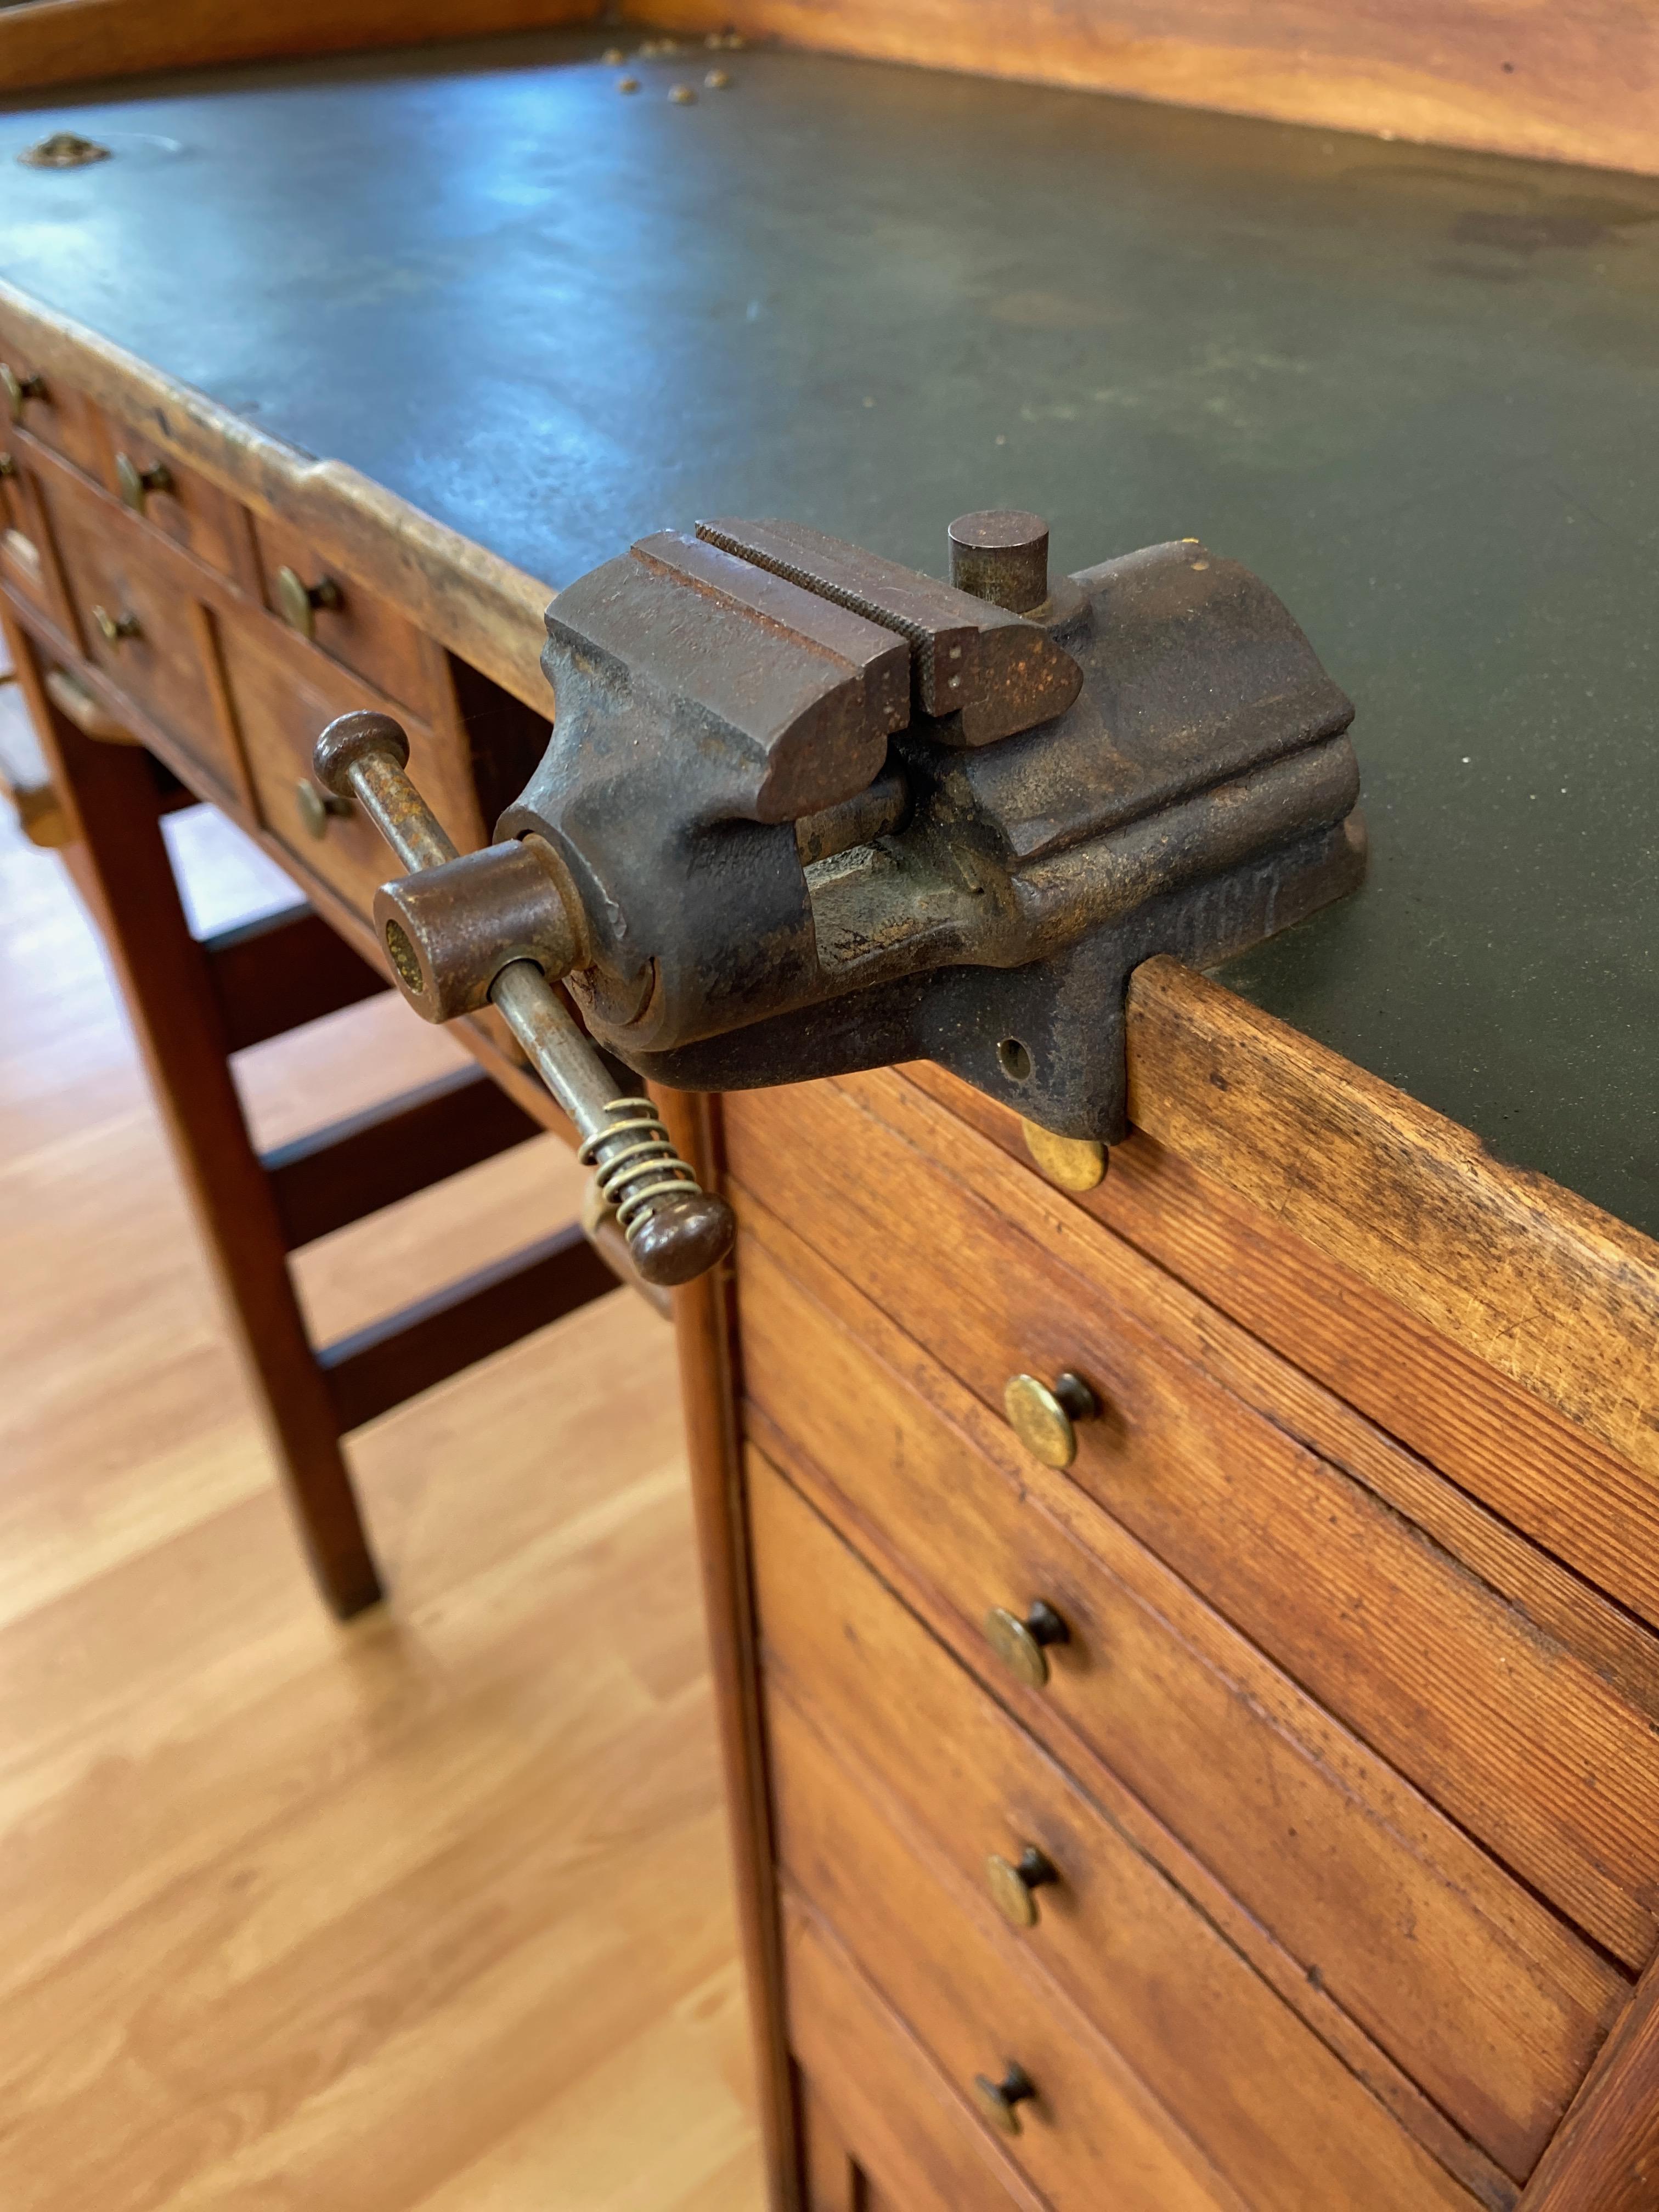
x,y
803,810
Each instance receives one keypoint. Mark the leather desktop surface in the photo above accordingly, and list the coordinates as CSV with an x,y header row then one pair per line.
x,y
1415,389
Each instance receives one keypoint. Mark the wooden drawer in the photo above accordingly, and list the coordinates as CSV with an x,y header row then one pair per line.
x,y
57,413
1326,1544
28,564
1274,2110
179,505
282,695
1467,1983
115,572
883,2131
354,628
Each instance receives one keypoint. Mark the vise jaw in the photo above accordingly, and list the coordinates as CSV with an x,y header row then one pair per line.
x,y
803,810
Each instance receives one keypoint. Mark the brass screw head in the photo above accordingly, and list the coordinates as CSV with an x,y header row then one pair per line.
x,y
682,95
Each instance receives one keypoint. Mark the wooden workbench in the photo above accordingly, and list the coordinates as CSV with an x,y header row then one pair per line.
x,y
1350,1764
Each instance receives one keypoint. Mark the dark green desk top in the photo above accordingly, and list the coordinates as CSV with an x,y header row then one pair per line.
x,y
1414,389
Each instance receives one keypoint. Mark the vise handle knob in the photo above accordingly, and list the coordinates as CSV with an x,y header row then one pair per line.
x,y
675,1229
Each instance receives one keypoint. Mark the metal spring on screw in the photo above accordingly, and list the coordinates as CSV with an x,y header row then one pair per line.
x,y
641,1170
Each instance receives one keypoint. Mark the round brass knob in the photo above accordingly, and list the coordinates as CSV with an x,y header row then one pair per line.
x,y
999,2101
136,485
1072,1163
1014,1883
114,628
317,808
17,389
1042,1419
1019,1643
300,601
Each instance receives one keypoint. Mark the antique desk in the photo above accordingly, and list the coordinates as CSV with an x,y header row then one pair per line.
x,y
1317,1864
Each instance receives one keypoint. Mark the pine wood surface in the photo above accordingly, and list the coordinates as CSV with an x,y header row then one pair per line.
x,y
1605,2158
1557,1295
433,1912
1275,2111
1571,82
1292,1514
1400,1942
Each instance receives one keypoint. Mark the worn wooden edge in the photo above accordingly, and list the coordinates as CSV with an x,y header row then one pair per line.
x,y
706,1340
50,42
480,607
1560,1297
1571,82
1604,2157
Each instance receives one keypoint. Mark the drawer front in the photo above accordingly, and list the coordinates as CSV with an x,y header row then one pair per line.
x,y
178,504
1469,1984
283,695
56,414
348,623
28,563
1271,2107
881,2127
116,573
1201,1454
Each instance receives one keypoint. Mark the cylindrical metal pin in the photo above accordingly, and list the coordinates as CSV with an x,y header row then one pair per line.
x,y
1001,555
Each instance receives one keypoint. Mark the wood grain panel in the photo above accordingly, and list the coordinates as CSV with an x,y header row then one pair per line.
x,y
912,2132
1572,82
1385,1906
1095,2135
46,42
1276,2112
1583,1503
1203,1457
1605,2158
1555,1294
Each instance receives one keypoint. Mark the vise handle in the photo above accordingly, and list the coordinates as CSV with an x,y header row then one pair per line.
x,y
675,1230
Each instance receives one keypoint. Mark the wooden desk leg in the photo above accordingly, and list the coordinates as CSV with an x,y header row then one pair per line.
x,y
119,861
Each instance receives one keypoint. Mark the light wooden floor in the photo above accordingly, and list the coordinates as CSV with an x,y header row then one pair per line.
x,y
431,1911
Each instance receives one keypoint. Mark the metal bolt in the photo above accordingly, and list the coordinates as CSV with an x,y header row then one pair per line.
x,y
1001,555
682,95
717,79
627,84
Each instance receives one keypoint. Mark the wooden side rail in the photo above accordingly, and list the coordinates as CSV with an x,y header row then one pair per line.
x,y
378,1367
276,974
355,1167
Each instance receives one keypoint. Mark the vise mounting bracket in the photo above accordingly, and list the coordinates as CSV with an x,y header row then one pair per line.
x,y
804,810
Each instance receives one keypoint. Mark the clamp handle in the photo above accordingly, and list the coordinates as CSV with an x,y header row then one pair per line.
x,y
675,1229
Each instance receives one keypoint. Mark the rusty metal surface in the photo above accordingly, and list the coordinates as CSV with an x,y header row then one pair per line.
x,y
983,672
980,906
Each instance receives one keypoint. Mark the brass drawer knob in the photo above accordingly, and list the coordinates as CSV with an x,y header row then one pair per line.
x,y
317,808
114,628
17,389
1014,1883
999,2101
136,485
1019,1643
300,601
1044,1418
